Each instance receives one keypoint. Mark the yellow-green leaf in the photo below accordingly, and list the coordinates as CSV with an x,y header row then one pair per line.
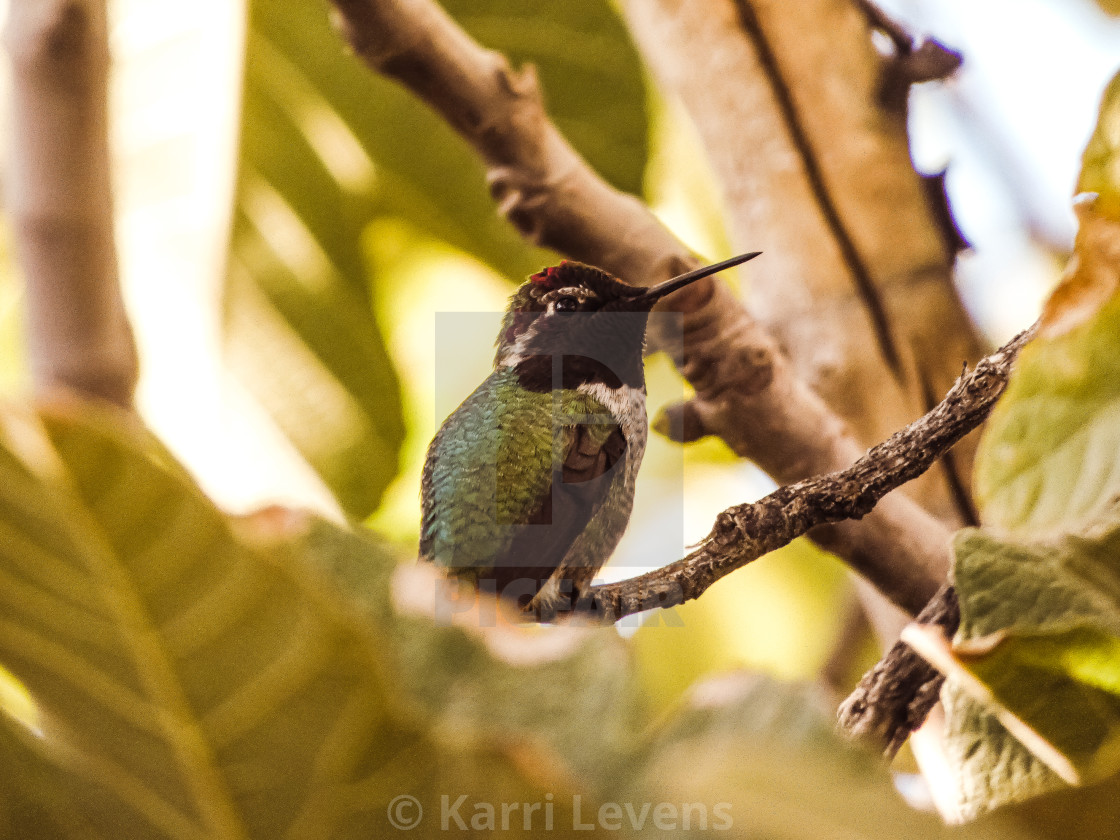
x,y
1057,692
196,677
765,757
1100,166
188,685
466,667
1049,462
1032,691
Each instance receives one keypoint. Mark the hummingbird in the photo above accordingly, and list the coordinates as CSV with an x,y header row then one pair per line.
x,y
529,484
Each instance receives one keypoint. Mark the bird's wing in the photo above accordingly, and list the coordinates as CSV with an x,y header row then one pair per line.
x,y
506,507
486,468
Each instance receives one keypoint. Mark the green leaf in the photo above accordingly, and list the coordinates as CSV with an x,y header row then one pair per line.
x,y
191,685
300,330
1057,692
193,679
466,668
1100,165
1034,674
1041,635
748,754
1048,462
1065,686
37,796
1037,586
993,769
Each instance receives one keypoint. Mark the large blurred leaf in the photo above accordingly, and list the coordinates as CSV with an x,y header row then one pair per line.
x,y
765,760
301,333
745,755
188,685
188,682
473,670
35,795
326,146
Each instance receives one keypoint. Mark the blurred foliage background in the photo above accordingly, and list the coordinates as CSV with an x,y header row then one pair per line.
x,y
289,227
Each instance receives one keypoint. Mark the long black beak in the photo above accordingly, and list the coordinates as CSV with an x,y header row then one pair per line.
x,y
655,293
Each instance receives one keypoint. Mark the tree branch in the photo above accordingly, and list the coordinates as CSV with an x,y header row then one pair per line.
x,y
894,698
745,390
746,532
59,196
816,173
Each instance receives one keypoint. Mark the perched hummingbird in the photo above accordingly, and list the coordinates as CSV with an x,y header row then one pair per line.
x,y
528,485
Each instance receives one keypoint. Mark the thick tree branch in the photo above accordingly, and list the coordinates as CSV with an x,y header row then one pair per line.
x,y
745,390
746,532
837,228
59,197
816,173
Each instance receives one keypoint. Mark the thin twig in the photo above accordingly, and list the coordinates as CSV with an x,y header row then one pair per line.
x,y
59,197
745,390
894,698
746,532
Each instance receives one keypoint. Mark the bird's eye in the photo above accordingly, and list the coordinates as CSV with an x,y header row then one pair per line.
x,y
566,304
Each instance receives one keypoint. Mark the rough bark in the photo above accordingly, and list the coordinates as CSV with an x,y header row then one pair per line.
x,y
59,199
746,532
894,698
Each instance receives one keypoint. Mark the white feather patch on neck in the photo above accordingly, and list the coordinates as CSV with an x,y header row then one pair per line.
x,y
626,403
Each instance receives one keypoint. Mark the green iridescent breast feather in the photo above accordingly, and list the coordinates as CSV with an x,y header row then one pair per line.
x,y
492,462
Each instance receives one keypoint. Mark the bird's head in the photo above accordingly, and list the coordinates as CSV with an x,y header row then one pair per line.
x,y
564,300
